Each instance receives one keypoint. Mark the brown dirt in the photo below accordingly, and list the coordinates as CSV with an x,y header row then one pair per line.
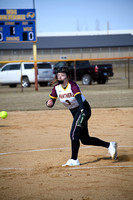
x,y
35,144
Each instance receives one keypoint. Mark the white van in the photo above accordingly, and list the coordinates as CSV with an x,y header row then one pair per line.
x,y
11,74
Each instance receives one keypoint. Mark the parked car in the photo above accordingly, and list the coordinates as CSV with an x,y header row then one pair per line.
x,y
12,73
82,70
45,73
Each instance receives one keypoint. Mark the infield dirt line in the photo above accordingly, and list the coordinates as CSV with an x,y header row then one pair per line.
x,y
14,168
52,149
73,168
102,167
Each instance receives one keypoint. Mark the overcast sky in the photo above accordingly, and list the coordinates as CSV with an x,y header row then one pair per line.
x,y
77,15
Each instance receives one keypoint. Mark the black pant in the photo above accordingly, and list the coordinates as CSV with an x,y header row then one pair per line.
x,y
78,134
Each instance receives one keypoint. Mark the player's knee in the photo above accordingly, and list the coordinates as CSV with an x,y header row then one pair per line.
x,y
85,142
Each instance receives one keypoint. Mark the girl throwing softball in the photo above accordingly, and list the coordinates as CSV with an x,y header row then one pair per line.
x,y
70,95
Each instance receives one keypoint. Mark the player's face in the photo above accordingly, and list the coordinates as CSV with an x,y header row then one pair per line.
x,y
61,76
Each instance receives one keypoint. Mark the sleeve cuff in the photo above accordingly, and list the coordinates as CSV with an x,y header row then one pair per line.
x,y
52,97
77,93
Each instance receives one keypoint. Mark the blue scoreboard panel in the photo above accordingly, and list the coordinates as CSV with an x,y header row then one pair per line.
x,y
17,25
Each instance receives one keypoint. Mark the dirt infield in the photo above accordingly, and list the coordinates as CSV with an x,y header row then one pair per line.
x,y
35,144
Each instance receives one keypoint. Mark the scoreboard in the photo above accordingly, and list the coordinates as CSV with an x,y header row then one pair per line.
x,y
17,25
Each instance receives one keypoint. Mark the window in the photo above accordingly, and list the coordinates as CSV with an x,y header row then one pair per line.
x,y
6,68
44,66
29,66
11,67
63,57
15,67
61,64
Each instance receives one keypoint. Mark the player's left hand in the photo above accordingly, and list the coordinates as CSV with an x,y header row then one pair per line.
x,y
82,119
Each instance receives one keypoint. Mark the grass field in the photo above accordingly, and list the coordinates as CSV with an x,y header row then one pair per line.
x,y
113,94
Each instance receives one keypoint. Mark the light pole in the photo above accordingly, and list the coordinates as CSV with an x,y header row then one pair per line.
x,y
35,58
33,4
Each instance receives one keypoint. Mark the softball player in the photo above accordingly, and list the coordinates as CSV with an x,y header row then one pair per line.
x,y
70,95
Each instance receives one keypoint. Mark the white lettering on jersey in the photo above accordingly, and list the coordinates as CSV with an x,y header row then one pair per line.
x,y
66,96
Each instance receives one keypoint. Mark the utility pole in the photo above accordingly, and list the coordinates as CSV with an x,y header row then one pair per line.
x,y
33,4
35,58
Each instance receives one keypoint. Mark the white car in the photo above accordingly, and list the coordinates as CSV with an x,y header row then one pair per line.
x,y
16,73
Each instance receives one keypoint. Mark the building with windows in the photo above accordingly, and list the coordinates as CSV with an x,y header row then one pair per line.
x,y
71,46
